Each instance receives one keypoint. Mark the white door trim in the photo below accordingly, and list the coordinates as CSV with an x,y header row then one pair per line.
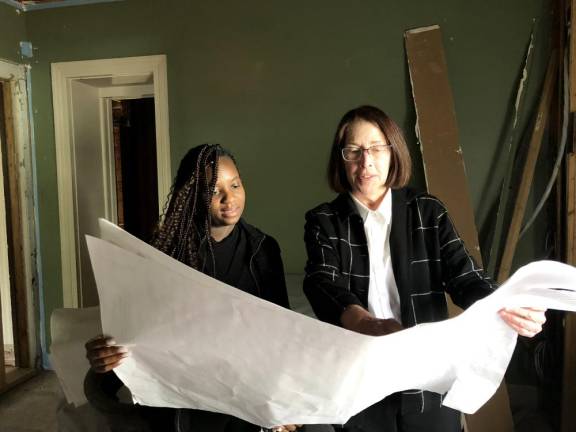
x,y
62,76
108,162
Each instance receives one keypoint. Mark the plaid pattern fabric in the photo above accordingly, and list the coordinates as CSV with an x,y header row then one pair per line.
x,y
429,259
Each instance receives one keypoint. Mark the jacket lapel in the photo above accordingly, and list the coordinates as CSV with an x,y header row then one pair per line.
x,y
400,235
351,219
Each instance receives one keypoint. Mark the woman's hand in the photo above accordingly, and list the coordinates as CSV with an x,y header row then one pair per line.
x,y
358,319
526,321
103,353
285,428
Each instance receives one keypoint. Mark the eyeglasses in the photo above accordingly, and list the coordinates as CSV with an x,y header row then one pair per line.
x,y
354,154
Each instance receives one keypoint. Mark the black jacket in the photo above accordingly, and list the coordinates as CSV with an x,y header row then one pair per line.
x,y
428,259
266,266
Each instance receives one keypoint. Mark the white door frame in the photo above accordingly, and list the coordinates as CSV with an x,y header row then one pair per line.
x,y
16,75
62,76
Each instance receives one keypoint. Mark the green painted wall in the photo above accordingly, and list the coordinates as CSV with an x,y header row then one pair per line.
x,y
270,79
12,31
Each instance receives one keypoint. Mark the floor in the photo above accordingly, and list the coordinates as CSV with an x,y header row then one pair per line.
x,y
33,405
35,401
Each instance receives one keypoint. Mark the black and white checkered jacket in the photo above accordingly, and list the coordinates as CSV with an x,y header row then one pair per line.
x,y
428,259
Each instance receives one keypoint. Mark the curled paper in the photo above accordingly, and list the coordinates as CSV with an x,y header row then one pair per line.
x,y
198,343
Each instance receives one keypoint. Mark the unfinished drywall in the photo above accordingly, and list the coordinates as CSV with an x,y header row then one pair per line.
x,y
270,81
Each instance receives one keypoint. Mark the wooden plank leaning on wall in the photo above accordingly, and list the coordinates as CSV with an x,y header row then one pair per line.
x,y
446,174
15,234
568,421
2,361
528,171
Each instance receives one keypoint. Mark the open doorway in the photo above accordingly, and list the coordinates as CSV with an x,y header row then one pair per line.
x,y
115,169
98,177
135,166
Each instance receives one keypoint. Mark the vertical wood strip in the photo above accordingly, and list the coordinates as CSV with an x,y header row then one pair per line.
x,y
2,362
570,206
568,413
560,35
569,374
528,171
15,235
572,62
510,147
568,421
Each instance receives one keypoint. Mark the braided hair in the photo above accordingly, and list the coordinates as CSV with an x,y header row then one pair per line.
x,y
185,224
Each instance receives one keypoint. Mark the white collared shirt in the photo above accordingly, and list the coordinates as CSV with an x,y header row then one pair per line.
x,y
383,297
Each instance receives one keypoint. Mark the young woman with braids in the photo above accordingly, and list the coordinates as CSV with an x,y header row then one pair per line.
x,y
202,227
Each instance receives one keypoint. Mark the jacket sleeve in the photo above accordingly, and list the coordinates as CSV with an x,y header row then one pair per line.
x,y
464,279
324,284
278,292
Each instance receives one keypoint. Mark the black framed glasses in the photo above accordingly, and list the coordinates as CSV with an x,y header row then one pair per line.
x,y
354,153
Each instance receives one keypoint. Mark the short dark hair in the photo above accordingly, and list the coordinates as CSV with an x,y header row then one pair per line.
x,y
400,163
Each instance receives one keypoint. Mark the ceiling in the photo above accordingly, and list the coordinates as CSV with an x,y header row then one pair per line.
x,y
28,5
36,2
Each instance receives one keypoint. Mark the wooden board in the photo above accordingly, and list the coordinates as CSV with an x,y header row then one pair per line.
x,y
568,419
446,174
15,234
2,362
519,208
559,33
569,374
573,64
508,149
438,133
571,207
568,413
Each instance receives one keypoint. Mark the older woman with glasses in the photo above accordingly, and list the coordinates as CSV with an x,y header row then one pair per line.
x,y
381,257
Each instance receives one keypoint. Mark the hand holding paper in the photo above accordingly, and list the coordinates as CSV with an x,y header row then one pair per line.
x,y
103,354
526,321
